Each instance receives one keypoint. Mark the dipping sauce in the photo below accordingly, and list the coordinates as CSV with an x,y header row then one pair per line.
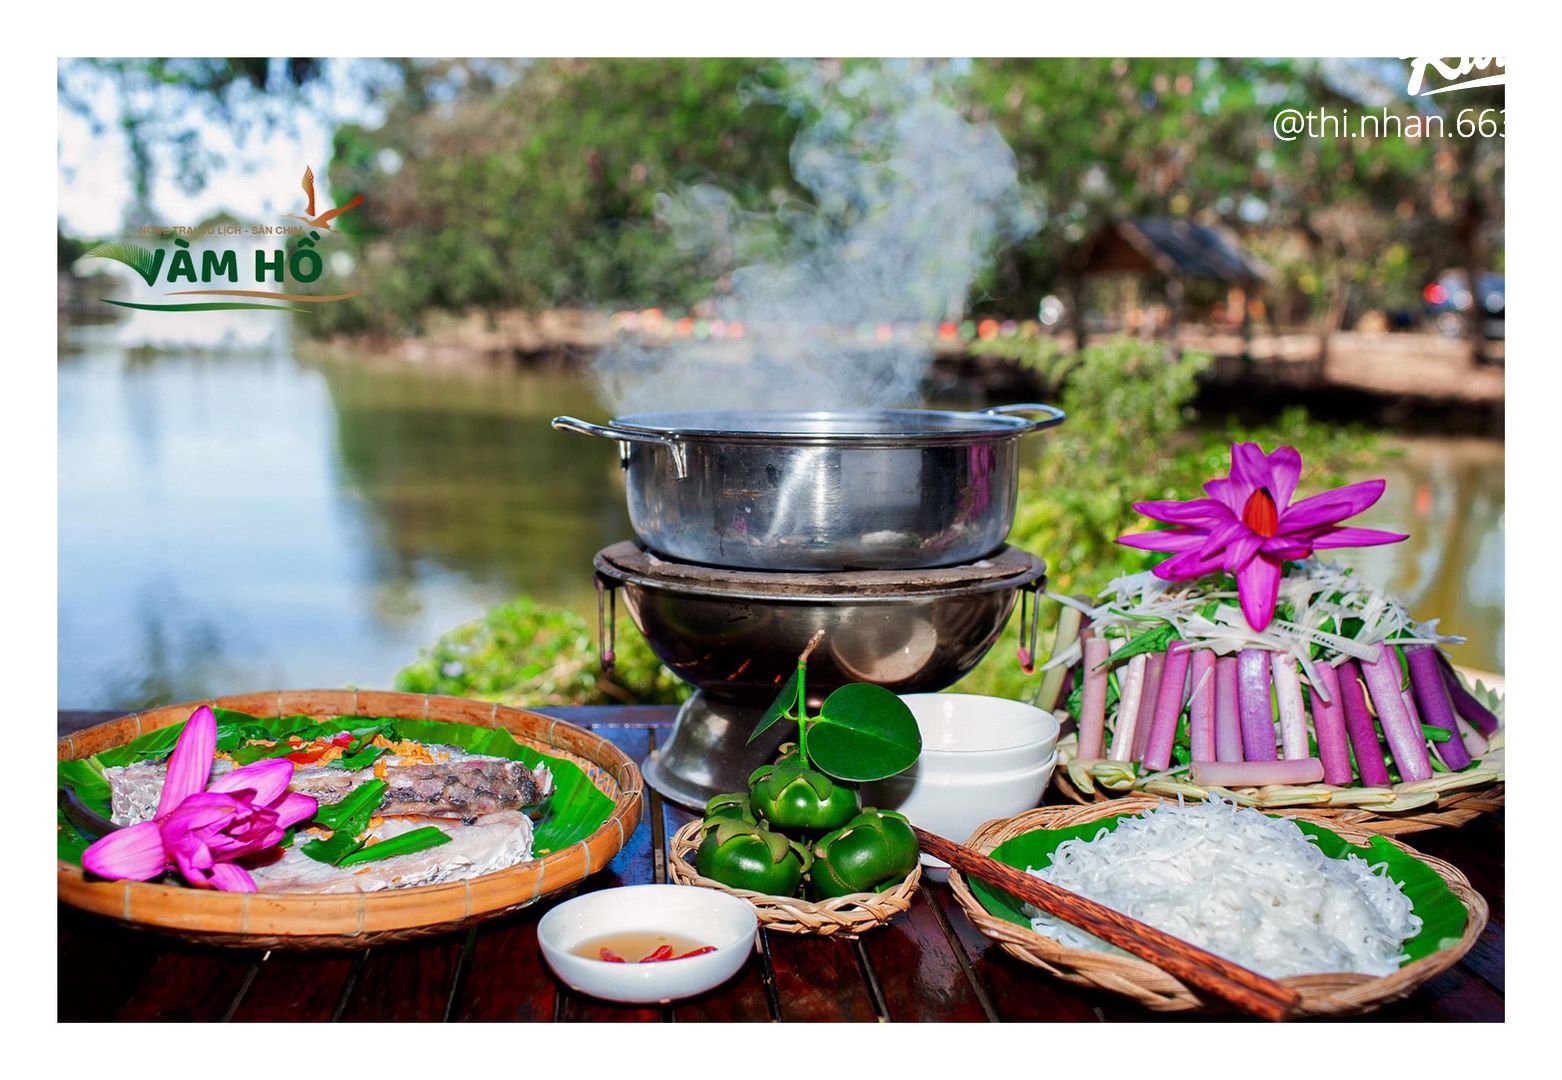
x,y
639,946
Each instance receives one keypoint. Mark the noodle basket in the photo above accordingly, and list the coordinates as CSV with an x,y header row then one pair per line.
x,y
1322,995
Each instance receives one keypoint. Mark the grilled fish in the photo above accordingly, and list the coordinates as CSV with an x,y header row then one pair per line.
x,y
465,786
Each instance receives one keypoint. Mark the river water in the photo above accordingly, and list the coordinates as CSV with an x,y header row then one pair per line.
x,y
237,521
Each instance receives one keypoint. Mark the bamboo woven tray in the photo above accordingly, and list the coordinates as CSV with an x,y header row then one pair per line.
x,y
1447,799
842,916
327,921
1322,995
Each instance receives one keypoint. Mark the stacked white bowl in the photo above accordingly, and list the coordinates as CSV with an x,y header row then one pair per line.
x,y
982,758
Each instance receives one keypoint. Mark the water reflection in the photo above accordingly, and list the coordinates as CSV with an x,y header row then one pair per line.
x,y
231,522
1448,494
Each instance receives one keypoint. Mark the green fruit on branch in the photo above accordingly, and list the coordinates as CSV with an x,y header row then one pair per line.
x,y
745,856
788,795
872,852
732,805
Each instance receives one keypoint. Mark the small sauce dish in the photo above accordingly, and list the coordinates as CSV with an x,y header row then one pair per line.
x,y
706,916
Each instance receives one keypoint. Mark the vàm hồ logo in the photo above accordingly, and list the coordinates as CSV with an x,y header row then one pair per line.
x,y
298,261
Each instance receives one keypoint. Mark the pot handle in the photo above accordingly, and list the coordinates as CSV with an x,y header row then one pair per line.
x,y
623,435
1054,415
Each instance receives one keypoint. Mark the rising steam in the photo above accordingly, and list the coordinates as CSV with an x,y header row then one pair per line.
x,y
909,200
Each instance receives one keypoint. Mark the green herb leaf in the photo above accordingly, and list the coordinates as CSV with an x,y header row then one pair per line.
x,y
1150,641
864,732
401,844
785,701
359,805
1435,733
362,759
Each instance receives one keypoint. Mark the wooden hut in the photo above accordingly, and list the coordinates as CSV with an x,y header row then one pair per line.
x,y
1173,251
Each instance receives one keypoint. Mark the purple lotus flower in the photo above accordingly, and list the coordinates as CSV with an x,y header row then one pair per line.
x,y
202,830
1249,526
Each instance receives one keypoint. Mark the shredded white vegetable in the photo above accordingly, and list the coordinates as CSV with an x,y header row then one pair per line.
x,y
1247,887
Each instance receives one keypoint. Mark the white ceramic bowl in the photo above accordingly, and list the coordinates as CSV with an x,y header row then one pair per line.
x,y
982,758
710,917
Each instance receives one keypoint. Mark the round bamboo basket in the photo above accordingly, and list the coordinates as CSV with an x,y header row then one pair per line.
x,y
1446,800
843,916
1322,995
356,920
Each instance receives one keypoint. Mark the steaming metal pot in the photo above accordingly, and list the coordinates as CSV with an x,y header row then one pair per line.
x,y
879,489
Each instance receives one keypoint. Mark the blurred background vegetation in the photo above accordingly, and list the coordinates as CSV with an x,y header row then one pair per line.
x,y
534,183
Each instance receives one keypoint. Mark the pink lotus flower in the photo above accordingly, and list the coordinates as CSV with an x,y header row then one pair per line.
x,y
1249,526
202,830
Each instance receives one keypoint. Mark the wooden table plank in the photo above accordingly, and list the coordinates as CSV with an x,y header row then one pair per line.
x,y
818,978
408,981
100,965
748,996
293,987
1018,993
917,971
191,983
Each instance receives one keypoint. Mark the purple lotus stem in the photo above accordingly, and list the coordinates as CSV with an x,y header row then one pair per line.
x,y
1437,709
1405,740
1258,718
1465,702
1092,705
1228,728
1358,724
1233,774
1128,708
1168,708
1329,725
1153,671
1201,709
1293,717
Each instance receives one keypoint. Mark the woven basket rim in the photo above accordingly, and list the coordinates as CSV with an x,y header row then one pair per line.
x,y
1336,994
318,920
846,916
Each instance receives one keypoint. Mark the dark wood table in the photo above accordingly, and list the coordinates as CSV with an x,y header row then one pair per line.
x,y
929,964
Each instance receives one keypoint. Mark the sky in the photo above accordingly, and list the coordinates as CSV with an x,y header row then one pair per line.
x,y
259,179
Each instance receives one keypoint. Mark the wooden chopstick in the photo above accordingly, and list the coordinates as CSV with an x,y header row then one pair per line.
x,y
1203,970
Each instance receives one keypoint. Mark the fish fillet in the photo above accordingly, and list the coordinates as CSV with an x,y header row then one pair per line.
x,y
466,786
488,843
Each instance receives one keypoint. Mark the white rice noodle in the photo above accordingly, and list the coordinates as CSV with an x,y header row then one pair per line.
x,y
1251,888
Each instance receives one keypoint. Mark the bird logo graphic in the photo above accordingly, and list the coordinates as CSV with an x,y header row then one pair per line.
x,y
322,221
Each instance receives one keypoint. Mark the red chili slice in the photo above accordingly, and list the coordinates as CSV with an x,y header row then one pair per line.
x,y
609,955
663,952
304,757
701,951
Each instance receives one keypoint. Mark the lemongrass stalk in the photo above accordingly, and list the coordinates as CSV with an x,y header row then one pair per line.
x,y
1235,774
1293,716
1153,670
1329,726
1201,706
1128,708
1253,705
1358,725
1092,705
1168,708
1405,740
1051,688
1228,722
